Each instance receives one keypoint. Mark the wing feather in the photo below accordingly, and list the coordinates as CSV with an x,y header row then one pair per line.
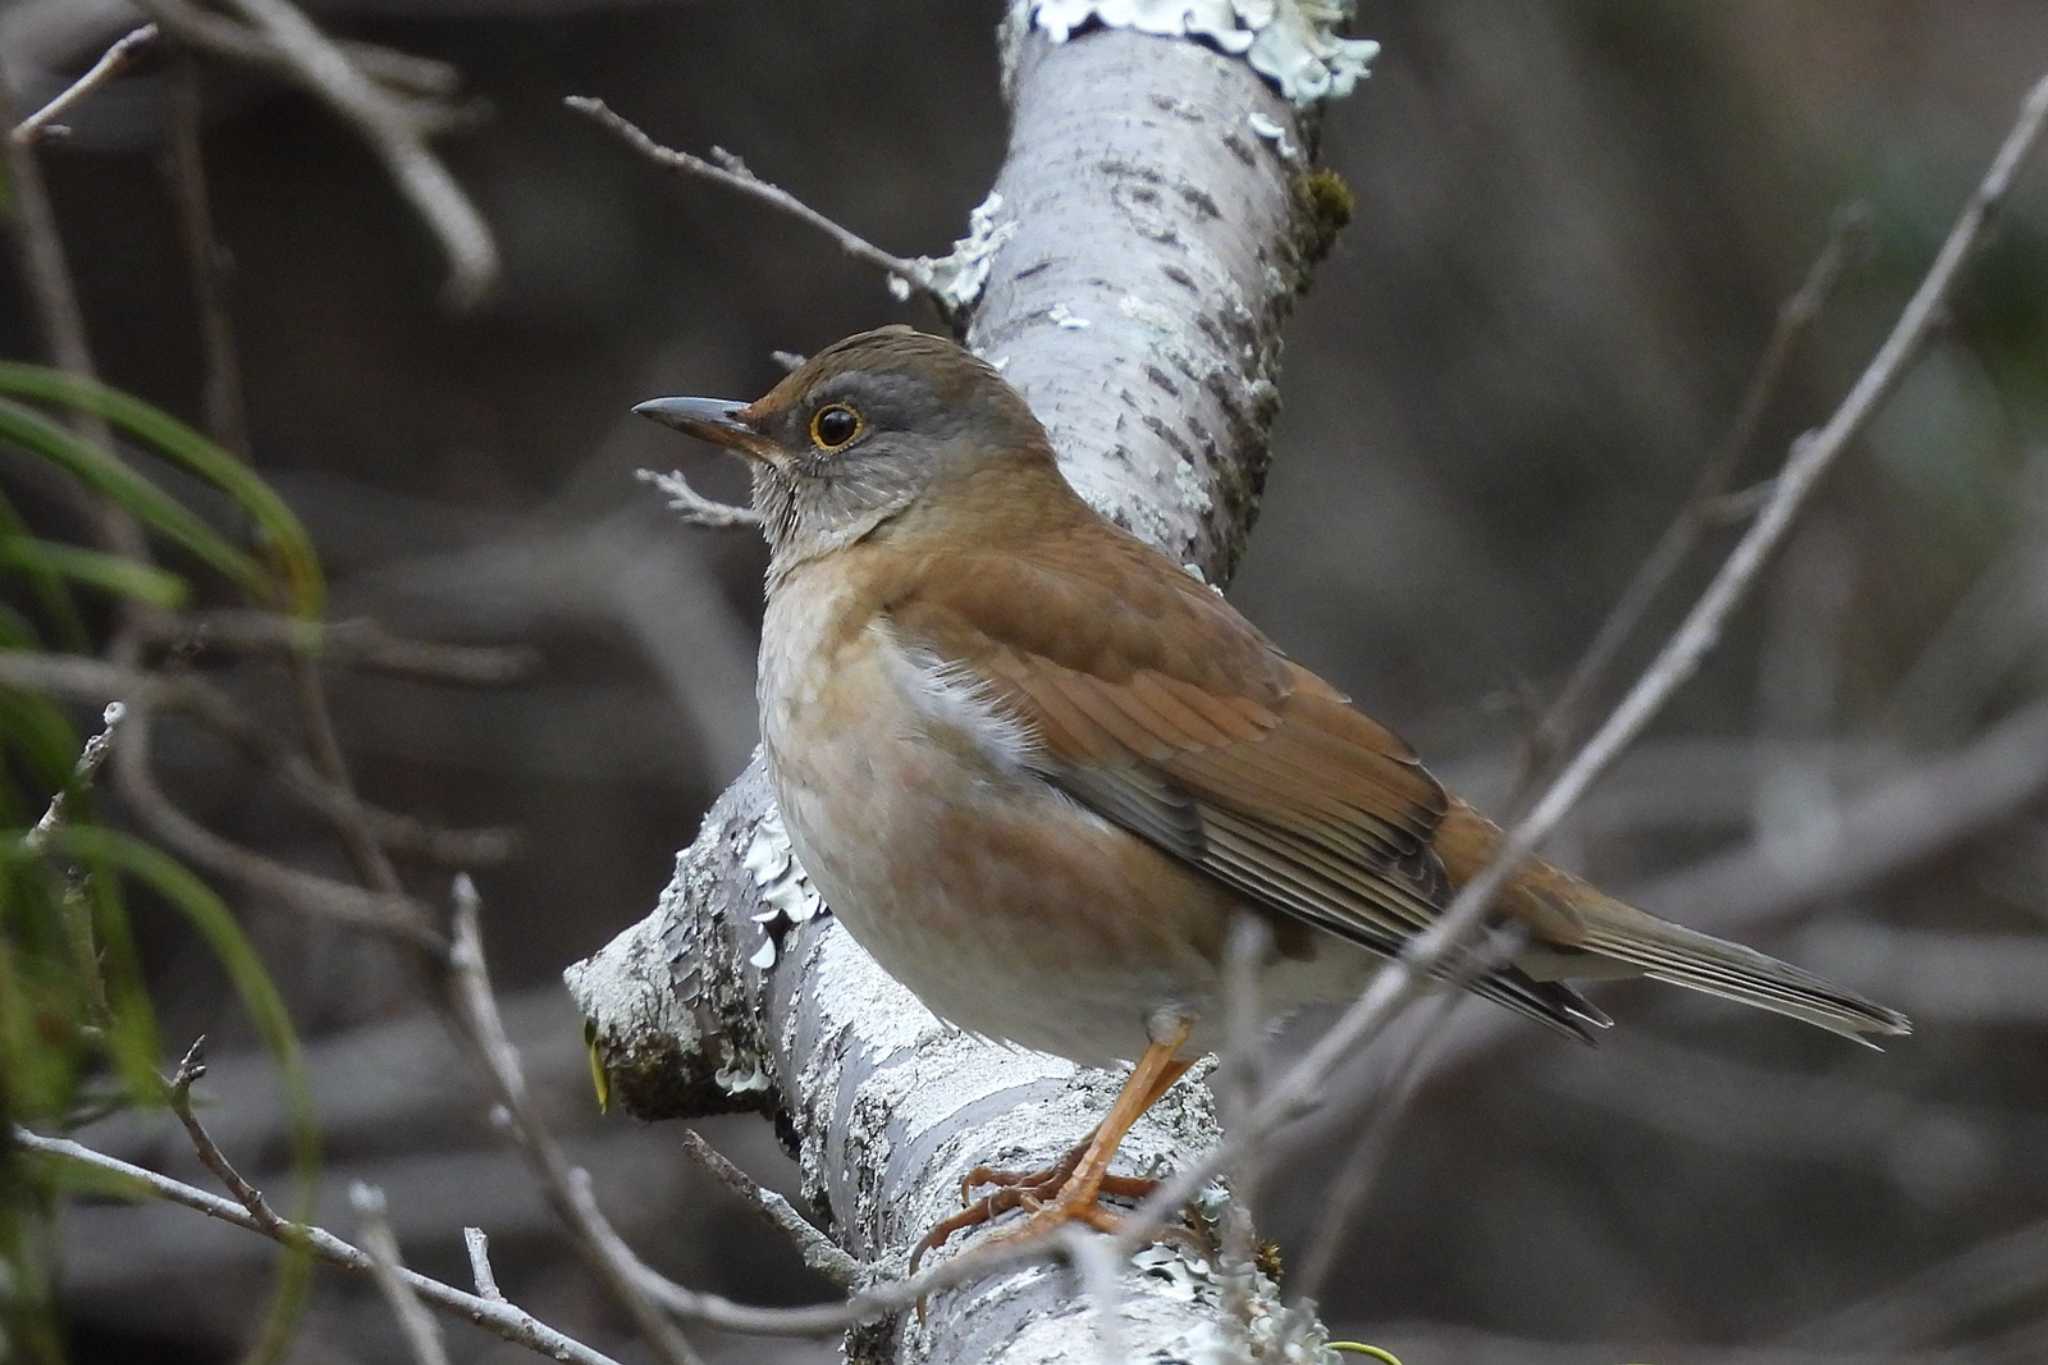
x,y
1158,706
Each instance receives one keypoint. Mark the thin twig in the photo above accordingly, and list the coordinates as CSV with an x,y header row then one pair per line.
x,y
494,1315
190,1070
111,63
733,174
422,1334
693,506
1702,508
479,1247
392,129
566,1190
818,1251
79,932
89,760
1246,953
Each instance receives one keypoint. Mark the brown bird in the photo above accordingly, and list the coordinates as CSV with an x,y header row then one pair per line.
x,y
1035,768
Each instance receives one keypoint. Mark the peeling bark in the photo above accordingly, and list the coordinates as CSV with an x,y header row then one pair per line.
x,y
1160,236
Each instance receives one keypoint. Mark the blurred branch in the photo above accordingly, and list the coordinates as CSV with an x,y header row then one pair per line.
x,y
89,760
294,45
1709,503
422,1334
1996,1273
818,1251
732,172
1927,806
494,1315
694,507
111,63
475,1011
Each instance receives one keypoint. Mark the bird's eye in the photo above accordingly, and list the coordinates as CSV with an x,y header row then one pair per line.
x,y
835,426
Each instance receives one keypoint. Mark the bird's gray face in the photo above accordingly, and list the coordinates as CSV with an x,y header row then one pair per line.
x,y
857,434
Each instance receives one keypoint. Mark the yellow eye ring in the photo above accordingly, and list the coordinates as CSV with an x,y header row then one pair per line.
x,y
836,426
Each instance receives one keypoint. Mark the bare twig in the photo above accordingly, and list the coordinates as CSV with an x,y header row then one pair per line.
x,y
479,1247
818,1251
79,931
111,63
730,171
566,1190
393,131
1246,953
1812,456
189,1071
693,506
494,1315
82,773
422,1334
1704,507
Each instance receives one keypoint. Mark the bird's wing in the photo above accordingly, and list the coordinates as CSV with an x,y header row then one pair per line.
x,y
1152,701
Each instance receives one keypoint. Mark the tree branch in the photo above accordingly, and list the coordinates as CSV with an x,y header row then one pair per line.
x,y
396,133
492,1313
111,63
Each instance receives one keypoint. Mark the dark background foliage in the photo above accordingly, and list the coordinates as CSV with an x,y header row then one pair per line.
x,y
1575,222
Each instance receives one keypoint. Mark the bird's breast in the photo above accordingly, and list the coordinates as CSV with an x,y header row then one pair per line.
x,y
912,800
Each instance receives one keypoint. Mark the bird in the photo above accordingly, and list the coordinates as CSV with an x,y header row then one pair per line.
x,y
1038,770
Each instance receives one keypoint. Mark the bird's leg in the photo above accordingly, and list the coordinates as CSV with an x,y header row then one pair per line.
x,y
1067,1190
1044,1183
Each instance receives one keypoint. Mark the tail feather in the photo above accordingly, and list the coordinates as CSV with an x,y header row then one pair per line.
x,y
1685,957
1577,931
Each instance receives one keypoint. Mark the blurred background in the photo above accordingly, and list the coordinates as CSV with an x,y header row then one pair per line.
x,y
1576,223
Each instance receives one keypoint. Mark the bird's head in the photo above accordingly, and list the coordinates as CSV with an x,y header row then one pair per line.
x,y
863,431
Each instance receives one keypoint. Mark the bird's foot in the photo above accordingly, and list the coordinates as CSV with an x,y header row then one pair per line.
x,y
1052,1196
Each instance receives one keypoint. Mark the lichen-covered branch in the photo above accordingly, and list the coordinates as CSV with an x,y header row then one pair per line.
x,y
1153,221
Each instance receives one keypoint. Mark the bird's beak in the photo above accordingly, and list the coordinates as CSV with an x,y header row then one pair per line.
x,y
720,421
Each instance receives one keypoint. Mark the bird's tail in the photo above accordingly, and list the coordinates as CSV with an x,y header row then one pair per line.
x,y
1585,933
1670,952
